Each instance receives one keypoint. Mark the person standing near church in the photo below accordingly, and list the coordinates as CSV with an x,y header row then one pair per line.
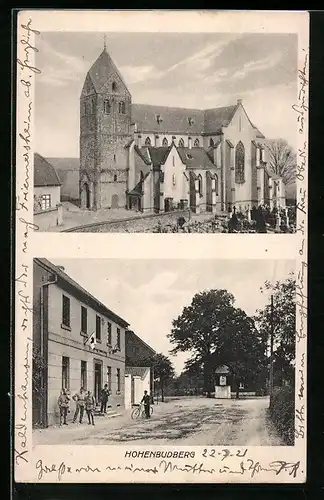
x,y
146,400
104,399
79,398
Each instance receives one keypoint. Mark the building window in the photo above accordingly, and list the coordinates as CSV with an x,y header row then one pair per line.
x,y
46,201
211,143
84,108
118,338
107,107
173,161
181,143
196,143
115,178
98,328
216,184
83,374
114,86
109,333
147,141
239,163
84,320
200,185
118,379
174,180
65,373
121,108
65,311
165,142
114,158
109,378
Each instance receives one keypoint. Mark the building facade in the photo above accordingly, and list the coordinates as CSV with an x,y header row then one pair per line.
x,y
65,315
155,158
47,185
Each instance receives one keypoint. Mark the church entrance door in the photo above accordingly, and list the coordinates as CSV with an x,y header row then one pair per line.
x,y
85,196
114,201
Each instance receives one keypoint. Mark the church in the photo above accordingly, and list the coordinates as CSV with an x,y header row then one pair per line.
x,y
156,158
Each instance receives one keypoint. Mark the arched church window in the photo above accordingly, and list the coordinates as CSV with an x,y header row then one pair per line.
x,y
107,106
216,184
181,143
115,158
114,86
123,108
115,178
211,143
200,185
174,180
165,142
196,143
147,141
239,163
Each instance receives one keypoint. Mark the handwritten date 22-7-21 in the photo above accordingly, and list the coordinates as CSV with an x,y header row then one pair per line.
x,y
224,453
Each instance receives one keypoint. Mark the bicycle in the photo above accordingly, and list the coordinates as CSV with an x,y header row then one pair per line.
x,y
139,412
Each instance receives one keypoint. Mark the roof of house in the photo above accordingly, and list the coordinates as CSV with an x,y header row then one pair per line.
x,y
65,281
177,120
44,172
102,69
195,158
217,118
137,371
131,334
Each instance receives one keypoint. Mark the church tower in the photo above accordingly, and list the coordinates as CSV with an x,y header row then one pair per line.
x,y
105,129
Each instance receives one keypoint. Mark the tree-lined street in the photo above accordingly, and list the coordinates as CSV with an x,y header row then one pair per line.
x,y
185,421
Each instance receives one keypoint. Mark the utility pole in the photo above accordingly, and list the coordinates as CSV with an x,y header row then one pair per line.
x,y
271,349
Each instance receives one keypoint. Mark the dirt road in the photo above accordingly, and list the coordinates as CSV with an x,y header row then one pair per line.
x,y
192,421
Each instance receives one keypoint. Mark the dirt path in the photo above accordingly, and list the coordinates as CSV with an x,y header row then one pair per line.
x,y
196,422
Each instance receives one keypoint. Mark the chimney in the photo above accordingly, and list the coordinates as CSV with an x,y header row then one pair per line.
x,y
189,142
61,268
239,101
156,141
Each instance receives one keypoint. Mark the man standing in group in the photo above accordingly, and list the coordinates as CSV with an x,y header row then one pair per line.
x,y
146,400
79,398
104,399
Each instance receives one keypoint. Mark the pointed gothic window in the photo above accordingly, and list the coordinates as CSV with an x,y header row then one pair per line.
x,y
181,143
239,163
211,143
119,107
114,86
115,178
147,141
107,106
165,142
200,185
196,143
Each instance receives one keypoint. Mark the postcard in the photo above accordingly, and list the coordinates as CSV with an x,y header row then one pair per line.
x,y
176,354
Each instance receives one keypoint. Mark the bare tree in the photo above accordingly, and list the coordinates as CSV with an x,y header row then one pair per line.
x,y
282,160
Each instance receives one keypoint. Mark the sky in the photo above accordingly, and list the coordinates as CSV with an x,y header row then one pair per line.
x,y
191,70
149,294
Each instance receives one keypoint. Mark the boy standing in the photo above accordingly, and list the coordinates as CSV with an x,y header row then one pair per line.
x,y
146,400
63,403
104,399
90,406
79,398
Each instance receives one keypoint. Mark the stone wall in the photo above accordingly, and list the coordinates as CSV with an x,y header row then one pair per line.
x,y
145,223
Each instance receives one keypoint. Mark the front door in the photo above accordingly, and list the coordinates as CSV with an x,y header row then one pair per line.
x,y
114,201
97,380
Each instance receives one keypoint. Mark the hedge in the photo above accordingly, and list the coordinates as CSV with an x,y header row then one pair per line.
x,y
282,413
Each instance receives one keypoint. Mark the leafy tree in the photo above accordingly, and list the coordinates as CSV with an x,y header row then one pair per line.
x,y
283,317
282,160
198,328
163,371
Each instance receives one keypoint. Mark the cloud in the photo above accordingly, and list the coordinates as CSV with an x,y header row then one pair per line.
x,y
136,74
58,68
263,64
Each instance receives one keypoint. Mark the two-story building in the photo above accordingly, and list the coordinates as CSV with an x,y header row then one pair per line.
x,y
65,316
